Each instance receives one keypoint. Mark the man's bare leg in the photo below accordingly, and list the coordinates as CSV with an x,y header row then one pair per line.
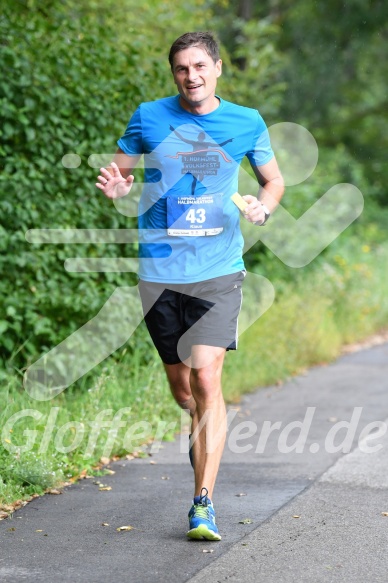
x,y
199,391
205,382
178,376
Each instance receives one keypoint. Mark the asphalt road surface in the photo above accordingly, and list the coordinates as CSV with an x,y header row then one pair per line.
x,y
301,497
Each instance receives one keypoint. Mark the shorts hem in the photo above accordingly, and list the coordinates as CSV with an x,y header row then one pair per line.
x,y
217,343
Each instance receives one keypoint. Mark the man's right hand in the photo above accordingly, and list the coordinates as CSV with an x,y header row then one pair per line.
x,y
112,183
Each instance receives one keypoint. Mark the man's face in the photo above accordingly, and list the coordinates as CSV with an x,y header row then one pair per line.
x,y
195,75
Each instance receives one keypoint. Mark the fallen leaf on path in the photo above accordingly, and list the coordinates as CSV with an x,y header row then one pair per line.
x,y
165,477
246,521
124,528
104,524
39,531
12,529
241,494
54,491
208,551
3,515
296,516
105,488
104,460
384,513
110,472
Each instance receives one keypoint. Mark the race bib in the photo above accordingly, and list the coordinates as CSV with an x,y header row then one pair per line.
x,y
197,216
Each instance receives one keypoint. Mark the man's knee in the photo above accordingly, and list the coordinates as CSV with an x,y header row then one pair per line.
x,y
206,384
208,376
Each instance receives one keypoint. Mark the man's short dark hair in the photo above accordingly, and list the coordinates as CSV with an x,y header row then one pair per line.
x,y
205,40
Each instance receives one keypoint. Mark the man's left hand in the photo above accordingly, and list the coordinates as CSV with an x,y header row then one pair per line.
x,y
254,212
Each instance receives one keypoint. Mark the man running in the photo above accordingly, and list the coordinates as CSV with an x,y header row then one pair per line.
x,y
190,243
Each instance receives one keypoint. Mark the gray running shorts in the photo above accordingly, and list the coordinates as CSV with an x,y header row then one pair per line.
x,y
204,313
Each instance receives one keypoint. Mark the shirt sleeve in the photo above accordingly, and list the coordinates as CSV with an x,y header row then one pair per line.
x,y
261,151
131,142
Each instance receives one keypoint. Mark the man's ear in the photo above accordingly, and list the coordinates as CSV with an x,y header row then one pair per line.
x,y
218,68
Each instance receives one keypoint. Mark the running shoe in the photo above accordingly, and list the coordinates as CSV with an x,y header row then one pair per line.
x,y
202,519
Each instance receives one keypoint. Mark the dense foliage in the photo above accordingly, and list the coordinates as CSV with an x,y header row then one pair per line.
x,y
72,73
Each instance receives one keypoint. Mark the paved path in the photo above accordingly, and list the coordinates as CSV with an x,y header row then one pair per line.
x,y
339,496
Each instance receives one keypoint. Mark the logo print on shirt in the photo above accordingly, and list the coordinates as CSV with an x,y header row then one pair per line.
x,y
203,160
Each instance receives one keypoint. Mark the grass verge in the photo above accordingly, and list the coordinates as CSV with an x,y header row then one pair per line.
x,y
340,300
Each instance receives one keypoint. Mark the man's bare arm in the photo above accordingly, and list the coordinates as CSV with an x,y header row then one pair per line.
x,y
126,164
270,192
116,180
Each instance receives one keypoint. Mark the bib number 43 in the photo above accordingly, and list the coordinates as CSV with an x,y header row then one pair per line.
x,y
196,215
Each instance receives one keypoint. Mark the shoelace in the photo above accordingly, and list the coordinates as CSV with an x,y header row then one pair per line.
x,y
203,496
201,509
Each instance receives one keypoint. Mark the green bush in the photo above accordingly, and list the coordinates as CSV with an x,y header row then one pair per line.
x,y
66,88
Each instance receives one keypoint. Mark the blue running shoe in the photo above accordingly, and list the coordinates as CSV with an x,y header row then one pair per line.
x,y
202,519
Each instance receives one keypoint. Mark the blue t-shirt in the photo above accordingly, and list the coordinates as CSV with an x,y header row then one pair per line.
x,y
189,229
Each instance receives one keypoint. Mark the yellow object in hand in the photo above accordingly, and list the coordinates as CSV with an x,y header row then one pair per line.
x,y
239,201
